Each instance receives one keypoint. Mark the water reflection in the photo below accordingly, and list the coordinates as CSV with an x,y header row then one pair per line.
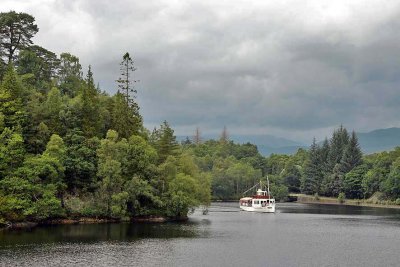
x,y
297,235
89,233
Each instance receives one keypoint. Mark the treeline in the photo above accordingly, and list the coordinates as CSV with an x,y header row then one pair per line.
x,y
233,168
333,168
337,167
69,149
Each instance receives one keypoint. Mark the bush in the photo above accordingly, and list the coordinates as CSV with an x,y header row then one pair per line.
x,y
398,201
341,197
316,196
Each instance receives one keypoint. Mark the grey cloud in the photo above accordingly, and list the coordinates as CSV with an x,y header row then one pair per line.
x,y
256,66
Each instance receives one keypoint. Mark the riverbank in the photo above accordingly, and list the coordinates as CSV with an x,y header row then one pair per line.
x,y
89,220
371,202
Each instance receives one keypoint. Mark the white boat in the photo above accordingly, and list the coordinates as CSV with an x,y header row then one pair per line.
x,y
260,202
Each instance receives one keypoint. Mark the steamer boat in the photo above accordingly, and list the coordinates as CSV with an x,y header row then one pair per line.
x,y
260,202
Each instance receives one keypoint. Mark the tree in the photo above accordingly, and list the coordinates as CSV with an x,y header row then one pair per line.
x,y
352,156
311,180
166,145
12,152
126,83
81,161
39,62
125,119
197,137
391,186
11,100
109,172
338,143
352,182
90,109
224,135
16,31
70,74
51,109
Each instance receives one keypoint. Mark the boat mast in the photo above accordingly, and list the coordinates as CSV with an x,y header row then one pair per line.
x,y
268,187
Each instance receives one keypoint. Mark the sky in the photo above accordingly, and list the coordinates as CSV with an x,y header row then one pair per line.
x,y
293,69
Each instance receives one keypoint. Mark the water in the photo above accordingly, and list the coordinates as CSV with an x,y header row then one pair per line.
x,y
297,235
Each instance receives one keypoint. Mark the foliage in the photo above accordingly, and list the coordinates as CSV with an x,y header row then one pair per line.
x,y
341,197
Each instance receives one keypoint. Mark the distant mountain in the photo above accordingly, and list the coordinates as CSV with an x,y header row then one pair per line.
x,y
266,144
379,140
265,140
371,142
269,144
288,150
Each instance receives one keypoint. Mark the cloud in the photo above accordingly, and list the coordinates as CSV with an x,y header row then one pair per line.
x,y
293,68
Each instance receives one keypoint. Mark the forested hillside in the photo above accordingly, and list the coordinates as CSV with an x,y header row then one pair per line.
x,y
68,149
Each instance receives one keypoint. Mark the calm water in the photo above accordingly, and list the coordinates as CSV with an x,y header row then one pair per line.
x,y
297,235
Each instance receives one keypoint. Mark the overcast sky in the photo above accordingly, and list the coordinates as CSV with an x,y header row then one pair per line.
x,y
294,69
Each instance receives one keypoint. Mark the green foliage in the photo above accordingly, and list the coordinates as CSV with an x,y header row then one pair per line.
x,y
11,100
352,182
341,197
17,30
40,63
165,142
12,152
68,149
58,154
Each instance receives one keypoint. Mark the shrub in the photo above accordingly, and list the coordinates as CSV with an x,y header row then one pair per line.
x,y
341,197
398,201
316,196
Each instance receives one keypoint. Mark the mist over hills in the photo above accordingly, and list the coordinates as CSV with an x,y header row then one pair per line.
x,y
370,142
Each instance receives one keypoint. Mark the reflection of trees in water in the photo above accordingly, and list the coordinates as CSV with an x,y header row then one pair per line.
x,y
88,233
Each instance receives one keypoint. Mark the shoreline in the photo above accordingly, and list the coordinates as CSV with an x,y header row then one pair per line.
x,y
90,220
309,199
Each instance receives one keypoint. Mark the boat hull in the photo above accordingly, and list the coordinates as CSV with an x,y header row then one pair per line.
x,y
267,209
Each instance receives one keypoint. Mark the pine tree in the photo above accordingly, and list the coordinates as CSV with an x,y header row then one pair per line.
x,y
90,109
126,82
338,143
224,135
125,120
167,144
16,30
352,156
310,182
11,101
197,137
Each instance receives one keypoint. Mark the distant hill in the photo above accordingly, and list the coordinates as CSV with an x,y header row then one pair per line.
x,y
266,144
371,142
379,140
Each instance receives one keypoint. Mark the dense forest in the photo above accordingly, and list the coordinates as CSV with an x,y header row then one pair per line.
x,y
70,149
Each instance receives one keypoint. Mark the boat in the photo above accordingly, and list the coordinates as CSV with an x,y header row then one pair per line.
x,y
260,202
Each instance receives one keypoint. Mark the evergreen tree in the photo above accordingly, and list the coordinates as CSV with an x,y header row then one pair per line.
x,y
81,161
16,32
337,146
352,156
338,143
166,145
125,119
70,74
12,152
311,180
40,63
197,137
90,108
224,136
11,101
126,83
